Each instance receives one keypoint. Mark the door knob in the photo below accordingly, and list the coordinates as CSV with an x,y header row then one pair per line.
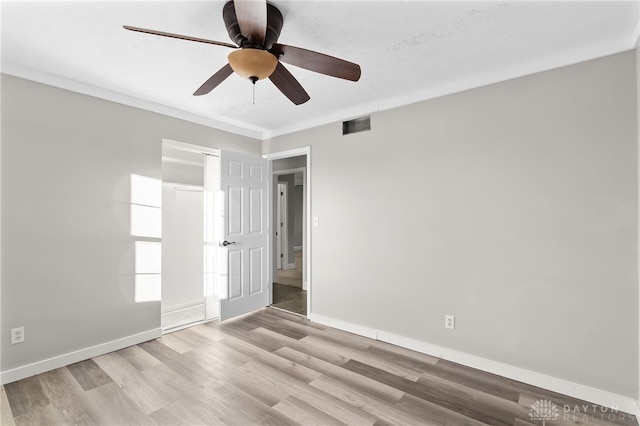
x,y
228,243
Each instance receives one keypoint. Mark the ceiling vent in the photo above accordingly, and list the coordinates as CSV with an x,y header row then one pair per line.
x,y
356,125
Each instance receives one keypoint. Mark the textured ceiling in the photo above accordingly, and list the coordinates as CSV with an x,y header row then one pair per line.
x,y
408,51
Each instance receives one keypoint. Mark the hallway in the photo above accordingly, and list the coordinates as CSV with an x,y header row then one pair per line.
x,y
287,290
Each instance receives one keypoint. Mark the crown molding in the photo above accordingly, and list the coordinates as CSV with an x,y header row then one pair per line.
x,y
557,61
120,98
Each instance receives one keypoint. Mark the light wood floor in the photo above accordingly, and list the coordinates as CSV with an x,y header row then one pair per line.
x,y
292,277
292,299
275,368
287,290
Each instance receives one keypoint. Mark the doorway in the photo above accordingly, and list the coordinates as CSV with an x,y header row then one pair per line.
x,y
182,301
232,231
288,293
185,299
291,265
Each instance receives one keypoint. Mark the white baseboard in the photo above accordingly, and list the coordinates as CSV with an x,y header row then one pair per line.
x,y
345,325
76,356
289,266
576,390
297,248
180,306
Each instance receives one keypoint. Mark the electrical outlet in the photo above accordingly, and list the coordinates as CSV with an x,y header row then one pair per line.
x,y
450,322
17,335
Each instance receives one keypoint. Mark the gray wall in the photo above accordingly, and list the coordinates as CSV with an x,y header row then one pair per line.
x,y
512,206
67,252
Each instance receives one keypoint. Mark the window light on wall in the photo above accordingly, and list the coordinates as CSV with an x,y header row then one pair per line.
x,y
148,271
146,222
146,207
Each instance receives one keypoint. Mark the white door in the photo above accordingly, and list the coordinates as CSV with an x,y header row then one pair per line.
x,y
244,252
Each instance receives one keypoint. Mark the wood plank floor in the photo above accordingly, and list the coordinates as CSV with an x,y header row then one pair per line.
x,y
276,368
292,299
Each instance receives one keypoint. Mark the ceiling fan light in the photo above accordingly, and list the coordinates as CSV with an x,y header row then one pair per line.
x,y
256,63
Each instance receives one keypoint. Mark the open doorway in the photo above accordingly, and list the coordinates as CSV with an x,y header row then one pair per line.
x,y
290,288
190,176
182,237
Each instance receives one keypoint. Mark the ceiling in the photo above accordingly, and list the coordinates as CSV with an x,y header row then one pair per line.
x,y
408,51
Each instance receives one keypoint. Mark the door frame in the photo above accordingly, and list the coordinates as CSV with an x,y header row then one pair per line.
x,y
306,234
282,225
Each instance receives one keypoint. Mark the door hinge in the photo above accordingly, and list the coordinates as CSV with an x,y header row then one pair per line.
x,y
282,193
281,254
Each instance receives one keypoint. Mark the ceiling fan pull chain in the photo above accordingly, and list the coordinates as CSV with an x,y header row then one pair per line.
x,y
253,80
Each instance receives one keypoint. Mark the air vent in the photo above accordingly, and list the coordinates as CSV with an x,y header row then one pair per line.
x,y
356,125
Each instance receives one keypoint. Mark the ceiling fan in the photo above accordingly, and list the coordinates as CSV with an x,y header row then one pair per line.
x,y
254,26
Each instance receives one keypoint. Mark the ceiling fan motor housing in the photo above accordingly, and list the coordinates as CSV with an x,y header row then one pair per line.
x,y
274,26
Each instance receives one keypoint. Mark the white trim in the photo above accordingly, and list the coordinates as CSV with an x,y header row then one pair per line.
x,y
295,152
297,248
576,390
289,266
189,147
477,80
59,361
230,126
287,171
638,199
180,306
277,232
360,330
568,58
1,259
170,330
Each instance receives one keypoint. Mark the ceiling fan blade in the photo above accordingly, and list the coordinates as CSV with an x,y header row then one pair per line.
x,y
252,18
178,36
214,80
318,62
288,85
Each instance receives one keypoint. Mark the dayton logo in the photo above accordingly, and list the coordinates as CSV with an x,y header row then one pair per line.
x,y
544,410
